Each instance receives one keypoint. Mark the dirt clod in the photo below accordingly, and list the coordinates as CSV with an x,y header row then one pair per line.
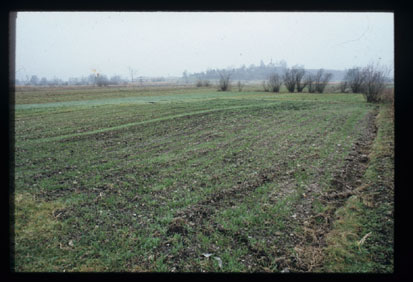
x,y
177,226
363,158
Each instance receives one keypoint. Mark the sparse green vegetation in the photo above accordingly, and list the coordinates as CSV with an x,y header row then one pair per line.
x,y
177,180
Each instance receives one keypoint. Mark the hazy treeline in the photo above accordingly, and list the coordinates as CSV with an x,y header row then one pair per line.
x,y
92,79
205,78
98,80
370,80
253,72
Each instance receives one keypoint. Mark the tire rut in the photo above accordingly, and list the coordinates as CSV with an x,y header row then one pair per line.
x,y
345,183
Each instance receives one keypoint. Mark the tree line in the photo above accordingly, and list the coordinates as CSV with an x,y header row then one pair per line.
x,y
252,72
295,78
370,81
96,80
99,80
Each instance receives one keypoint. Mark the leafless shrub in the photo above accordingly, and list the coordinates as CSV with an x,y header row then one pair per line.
x,y
102,80
274,83
289,79
295,77
355,79
321,80
224,81
198,83
300,82
375,78
202,83
310,78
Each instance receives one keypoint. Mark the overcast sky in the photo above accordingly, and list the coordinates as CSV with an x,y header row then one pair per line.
x,y
71,44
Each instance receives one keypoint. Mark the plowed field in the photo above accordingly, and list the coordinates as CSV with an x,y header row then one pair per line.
x,y
191,181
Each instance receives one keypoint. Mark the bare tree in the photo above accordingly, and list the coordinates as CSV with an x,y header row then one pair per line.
x,y
202,82
324,82
375,78
102,80
289,79
224,80
274,82
300,82
310,78
321,80
355,79
198,82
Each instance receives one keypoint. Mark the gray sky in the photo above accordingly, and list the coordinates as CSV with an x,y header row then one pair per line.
x,y
71,44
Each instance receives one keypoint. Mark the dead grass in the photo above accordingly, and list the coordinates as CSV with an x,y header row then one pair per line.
x,y
342,239
39,222
388,97
361,238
